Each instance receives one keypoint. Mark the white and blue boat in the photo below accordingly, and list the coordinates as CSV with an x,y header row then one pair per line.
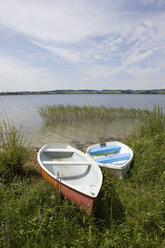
x,y
113,155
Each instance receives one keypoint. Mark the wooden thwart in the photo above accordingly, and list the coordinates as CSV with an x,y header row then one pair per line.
x,y
66,163
104,149
113,158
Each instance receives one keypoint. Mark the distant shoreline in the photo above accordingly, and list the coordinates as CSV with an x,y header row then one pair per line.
x,y
153,91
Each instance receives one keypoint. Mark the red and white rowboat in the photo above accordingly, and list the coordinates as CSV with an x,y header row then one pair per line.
x,y
72,172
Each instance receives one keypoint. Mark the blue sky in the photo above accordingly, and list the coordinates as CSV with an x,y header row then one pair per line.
x,y
82,44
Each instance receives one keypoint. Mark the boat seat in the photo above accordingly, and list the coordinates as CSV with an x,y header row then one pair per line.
x,y
113,158
75,163
58,150
105,149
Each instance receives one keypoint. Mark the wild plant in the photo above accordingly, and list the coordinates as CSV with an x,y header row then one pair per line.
x,y
70,113
12,150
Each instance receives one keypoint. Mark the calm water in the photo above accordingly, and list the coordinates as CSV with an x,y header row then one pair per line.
x,y
24,110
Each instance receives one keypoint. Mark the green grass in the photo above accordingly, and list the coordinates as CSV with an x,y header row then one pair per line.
x,y
127,213
70,113
12,151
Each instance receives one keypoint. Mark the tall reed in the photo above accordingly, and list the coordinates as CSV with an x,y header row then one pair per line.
x,y
155,122
69,113
12,151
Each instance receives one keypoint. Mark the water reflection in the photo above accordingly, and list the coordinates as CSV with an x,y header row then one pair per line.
x,y
81,132
24,110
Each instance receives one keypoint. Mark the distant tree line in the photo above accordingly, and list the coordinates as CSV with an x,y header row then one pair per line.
x,y
86,91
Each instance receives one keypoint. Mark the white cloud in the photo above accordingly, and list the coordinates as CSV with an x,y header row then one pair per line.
x,y
16,75
158,3
57,21
137,33
97,72
61,52
125,78
107,38
113,44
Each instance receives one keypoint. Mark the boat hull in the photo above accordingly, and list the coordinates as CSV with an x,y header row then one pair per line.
x,y
81,200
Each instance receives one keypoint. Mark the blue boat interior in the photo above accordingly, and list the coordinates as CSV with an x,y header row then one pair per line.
x,y
113,158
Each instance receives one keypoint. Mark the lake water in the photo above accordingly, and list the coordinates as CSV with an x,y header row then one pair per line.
x,y
23,109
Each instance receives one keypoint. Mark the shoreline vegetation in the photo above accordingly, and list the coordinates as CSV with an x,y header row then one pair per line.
x,y
85,91
51,114
127,213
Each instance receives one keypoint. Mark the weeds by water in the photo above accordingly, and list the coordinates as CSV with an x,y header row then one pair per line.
x,y
127,213
69,113
12,151
155,123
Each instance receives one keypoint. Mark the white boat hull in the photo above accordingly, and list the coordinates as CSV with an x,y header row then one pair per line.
x,y
114,155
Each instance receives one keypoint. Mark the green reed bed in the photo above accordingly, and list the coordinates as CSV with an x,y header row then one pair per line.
x,y
127,213
69,113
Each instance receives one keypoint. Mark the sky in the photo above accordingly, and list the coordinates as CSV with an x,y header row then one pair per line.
x,y
82,44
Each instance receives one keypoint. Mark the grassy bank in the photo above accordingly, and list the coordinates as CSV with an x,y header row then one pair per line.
x,y
127,213
69,113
